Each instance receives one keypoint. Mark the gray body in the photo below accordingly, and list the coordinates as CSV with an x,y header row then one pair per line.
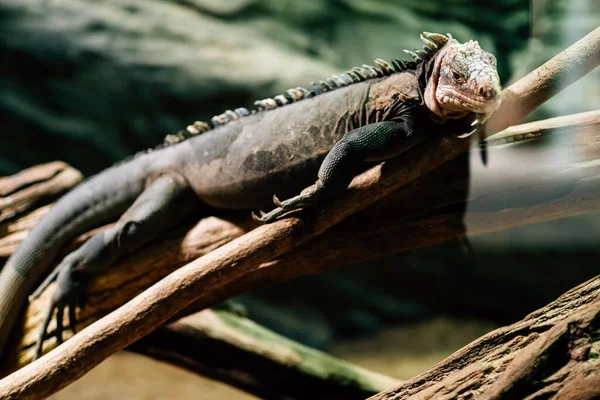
x,y
238,165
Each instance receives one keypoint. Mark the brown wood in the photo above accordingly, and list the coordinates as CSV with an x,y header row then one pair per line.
x,y
24,191
27,191
224,266
552,353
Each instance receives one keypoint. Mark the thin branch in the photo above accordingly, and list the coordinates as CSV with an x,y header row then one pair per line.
x,y
531,91
237,351
535,129
228,263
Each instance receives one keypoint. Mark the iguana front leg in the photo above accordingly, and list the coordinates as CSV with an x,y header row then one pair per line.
x,y
165,202
374,142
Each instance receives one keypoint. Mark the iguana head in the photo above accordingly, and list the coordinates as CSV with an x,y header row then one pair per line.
x,y
464,79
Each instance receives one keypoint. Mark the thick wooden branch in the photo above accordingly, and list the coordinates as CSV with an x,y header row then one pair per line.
x,y
237,351
529,92
552,353
26,191
434,203
224,266
41,184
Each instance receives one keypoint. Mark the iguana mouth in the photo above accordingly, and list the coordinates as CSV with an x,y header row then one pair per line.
x,y
453,100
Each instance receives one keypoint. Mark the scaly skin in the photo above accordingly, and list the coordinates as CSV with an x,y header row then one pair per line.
x,y
240,163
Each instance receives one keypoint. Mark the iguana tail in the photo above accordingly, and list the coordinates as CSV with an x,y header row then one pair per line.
x,y
93,203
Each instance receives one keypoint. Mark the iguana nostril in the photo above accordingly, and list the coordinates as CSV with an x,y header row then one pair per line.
x,y
487,92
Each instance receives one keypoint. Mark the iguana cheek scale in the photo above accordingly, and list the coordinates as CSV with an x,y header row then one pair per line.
x,y
241,159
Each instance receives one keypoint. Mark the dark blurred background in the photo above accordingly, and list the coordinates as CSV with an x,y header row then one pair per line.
x,y
90,82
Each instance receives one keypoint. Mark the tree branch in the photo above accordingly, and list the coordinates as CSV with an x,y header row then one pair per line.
x,y
519,133
227,264
237,351
496,194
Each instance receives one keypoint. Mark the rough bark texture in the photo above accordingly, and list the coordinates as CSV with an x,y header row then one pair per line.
x,y
237,351
25,192
226,265
553,353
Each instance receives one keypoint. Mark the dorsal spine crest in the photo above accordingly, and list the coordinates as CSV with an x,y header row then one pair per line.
x,y
433,42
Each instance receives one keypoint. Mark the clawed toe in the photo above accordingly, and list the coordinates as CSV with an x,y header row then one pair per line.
x,y
68,293
270,217
277,201
258,218
59,306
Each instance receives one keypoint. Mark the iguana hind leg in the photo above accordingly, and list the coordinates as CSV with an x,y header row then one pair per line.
x,y
374,142
166,201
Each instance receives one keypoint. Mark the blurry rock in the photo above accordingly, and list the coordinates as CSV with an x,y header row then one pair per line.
x,y
91,82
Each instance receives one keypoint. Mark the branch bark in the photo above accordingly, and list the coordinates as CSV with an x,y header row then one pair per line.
x,y
237,351
26,191
500,196
212,272
551,353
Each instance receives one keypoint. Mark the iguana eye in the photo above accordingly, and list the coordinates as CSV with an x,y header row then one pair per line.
x,y
457,77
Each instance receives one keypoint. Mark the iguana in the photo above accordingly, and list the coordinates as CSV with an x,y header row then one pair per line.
x,y
240,159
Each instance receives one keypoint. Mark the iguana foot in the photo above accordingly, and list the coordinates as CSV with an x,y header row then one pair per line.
x,y
307,198
270,217
165,202
67,294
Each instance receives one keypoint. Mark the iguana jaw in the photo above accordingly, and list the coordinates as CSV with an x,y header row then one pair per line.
x,y
464,80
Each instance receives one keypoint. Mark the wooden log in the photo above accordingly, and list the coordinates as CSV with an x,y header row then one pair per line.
x,y
552,353
27,191
38,185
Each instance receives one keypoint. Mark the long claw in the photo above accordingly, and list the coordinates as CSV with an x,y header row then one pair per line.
x,y
256,217
42,333
72,319
476,124
468,134
277,201
60,312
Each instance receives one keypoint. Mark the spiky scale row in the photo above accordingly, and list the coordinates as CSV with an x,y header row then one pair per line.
x,y
433,42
